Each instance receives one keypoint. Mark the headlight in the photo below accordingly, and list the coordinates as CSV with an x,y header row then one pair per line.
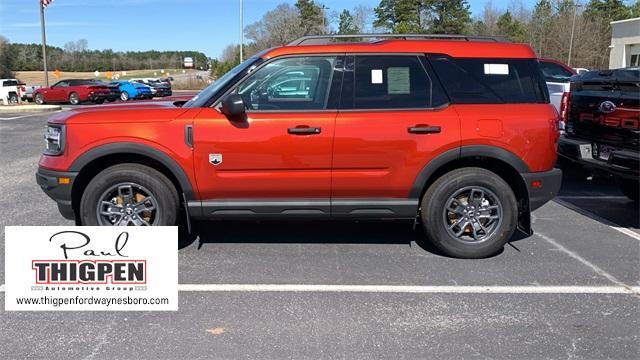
x,y
54,140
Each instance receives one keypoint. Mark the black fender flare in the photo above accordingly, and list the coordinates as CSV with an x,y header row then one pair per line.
x,y
129,147
460,153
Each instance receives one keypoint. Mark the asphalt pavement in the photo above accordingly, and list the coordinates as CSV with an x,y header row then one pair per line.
x,y
355,289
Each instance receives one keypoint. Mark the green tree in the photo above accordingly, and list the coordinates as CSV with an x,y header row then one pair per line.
x,y
400,16
608,10
635,9
347,25
513,29
448,16
311,17
420,16
7,59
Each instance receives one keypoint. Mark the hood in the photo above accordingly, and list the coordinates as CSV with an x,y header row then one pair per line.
x,y
156,111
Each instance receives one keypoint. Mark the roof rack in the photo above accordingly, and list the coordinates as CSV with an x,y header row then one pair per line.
x,y
325,39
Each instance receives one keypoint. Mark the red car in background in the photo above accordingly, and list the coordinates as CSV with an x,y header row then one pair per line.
x,y
73,92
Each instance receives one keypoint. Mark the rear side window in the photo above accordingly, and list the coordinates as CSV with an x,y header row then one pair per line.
x,y
10,83
394,81
554,72
486,81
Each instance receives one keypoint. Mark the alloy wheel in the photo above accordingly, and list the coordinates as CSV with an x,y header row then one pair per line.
x,y
127,204
472,214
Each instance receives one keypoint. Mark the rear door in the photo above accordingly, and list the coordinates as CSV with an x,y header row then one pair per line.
x,y
393,120
282,150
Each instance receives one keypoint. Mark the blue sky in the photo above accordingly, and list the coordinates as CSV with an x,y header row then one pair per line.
x,y
203,25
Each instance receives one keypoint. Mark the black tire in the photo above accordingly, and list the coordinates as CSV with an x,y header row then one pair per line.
x,y
436,218
630,188
13,98
74,99
161,188
39,99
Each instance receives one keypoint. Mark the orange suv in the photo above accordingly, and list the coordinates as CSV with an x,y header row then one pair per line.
x,y
453,132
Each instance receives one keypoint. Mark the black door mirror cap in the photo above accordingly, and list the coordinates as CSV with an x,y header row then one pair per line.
x,y
233,107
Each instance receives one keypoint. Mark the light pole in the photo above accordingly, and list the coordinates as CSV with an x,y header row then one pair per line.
x,y
44,44
241,33
323,8
573,29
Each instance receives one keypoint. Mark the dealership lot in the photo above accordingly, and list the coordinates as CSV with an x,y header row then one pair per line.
x,y
356,290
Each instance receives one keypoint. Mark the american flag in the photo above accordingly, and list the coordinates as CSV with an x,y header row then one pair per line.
x,y
45,3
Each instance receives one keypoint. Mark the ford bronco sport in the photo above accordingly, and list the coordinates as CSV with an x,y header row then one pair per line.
x,y
454,132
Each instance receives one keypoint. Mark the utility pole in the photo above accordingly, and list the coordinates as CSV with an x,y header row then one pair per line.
x,y
44,44
573,29
323,8
241,34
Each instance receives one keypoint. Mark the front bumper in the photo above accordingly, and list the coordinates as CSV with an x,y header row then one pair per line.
x,y
49,181
542,186
621,163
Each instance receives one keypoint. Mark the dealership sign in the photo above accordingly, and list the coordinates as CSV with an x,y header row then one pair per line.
x,y
91,268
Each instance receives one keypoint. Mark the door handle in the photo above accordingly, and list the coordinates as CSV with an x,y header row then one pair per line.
x,y
424,129
304,130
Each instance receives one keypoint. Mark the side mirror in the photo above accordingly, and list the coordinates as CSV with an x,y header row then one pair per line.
x,y
233,106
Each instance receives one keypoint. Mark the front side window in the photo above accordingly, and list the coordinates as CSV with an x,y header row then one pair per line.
x,y
292,83
395,81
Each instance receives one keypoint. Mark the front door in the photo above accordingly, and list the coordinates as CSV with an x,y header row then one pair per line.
x,y
282,151
393,119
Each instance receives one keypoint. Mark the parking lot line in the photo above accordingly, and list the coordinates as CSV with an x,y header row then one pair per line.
x,y
610,224
593,197
21,116
406,289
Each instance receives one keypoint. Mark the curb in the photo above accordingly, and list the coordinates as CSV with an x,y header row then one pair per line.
x,y
28,108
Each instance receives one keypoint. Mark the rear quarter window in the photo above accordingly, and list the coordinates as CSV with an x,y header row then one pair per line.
x,y
488,81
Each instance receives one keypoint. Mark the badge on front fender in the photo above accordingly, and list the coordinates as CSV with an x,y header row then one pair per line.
x,y
215,159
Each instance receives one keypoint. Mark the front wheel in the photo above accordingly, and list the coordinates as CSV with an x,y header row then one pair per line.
x,y
124,96
74,99
129,195
469,213
39,99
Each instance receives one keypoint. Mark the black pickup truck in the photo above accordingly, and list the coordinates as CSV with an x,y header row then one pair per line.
x,y
602,125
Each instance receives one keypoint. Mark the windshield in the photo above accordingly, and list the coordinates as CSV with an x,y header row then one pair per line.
x,y
554,73
203,96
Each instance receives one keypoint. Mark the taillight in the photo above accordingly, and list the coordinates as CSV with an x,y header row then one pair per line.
x,y
564,106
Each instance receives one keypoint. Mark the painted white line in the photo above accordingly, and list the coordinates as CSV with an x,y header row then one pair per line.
x,y
594,197
594,267
405,289
610,224
20,117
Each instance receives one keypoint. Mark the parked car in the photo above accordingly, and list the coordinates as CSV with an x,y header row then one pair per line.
x,y
132,90
10,91
158,88
27,91
114,90
72,91
456,134
557,76
602,115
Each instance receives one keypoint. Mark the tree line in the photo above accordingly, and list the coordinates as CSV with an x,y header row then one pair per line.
x,y
546,27
75,56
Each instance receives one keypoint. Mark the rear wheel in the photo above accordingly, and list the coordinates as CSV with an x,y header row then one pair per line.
x,y
74,99
124,96
630,188
39,99
469,213
129,195
13,98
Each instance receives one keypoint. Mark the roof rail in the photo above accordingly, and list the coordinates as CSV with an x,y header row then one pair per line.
x,y
325,39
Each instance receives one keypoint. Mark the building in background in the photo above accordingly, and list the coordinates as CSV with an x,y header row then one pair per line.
x,y
188,63
625,43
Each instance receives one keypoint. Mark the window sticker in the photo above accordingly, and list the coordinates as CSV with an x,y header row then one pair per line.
x,y
496,69
376,76
399,81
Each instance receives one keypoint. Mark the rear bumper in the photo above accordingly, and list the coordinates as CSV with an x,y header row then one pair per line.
x,y
621,163
97,96
48,180
547,185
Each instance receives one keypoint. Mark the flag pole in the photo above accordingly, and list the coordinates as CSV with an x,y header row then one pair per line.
x,y
44,44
